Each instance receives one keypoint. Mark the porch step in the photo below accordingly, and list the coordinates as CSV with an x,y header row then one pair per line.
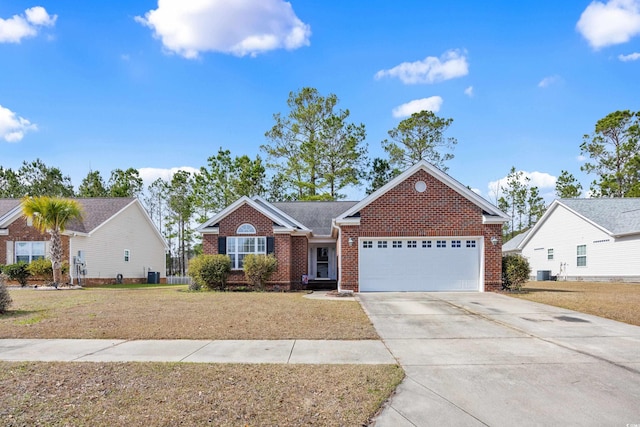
x,y
322,285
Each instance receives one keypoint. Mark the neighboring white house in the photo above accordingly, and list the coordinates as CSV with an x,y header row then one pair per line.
x,y
115,240
584,239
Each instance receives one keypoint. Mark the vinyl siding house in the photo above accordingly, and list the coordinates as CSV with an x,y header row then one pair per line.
x,y
585,239
422,231
115,241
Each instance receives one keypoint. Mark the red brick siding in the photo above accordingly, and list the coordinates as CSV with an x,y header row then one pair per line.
x,y
19,231
299,259
349,259
264,227
492,258
439,211
210,244
402,211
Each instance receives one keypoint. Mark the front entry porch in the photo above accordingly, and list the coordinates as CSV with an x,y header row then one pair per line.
x,y
322,266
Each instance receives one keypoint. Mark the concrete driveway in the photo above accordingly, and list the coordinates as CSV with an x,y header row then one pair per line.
x,y
488,359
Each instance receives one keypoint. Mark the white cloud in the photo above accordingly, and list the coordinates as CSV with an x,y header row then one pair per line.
x,y
469,91
433,103
548,81
450,65
149,175
14,29
542,180
12,126
613,22
246,27
631,57
581,158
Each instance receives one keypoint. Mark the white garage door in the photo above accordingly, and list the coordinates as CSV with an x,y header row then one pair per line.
x,y
433,264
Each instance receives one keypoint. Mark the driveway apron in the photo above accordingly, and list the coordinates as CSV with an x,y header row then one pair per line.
x,y
488,359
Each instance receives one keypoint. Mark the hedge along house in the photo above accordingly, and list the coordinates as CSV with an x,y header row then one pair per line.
x,y
114,241
422,231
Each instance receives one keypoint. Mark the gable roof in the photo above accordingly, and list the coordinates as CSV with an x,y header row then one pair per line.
x,y
316,215
513,244
95,212
617,217
278,217
8,209
492,213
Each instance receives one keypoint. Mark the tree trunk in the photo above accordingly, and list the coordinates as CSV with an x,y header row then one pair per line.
x,y
56,256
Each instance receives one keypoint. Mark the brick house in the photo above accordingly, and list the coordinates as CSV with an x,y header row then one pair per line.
x,y
114,240
422,231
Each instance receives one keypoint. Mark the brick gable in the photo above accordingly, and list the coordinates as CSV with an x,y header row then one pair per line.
x,y
439,211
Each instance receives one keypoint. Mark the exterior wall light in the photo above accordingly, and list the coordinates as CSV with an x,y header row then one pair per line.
x,y
494,240
350,241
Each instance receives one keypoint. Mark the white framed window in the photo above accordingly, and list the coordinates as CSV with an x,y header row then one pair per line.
x,y
441,243
127,255
246,229
426,243
456,243
397,243
471,243
581,252
382,244
549,254
412,244
367,244
29,251
239,247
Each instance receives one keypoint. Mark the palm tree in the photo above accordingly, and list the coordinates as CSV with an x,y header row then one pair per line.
x,y
51,215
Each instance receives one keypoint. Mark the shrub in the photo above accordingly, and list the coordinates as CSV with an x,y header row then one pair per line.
x,y
5,298
43,270
194,286
210,271
18,272
515,272
259,268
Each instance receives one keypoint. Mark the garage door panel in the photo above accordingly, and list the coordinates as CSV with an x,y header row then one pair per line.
x,y
419,268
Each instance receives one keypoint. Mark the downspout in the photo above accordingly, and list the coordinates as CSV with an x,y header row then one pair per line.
x,y
338,253
72,265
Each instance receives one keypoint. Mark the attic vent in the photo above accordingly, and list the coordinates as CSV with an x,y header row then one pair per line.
x,y
601,241
420,186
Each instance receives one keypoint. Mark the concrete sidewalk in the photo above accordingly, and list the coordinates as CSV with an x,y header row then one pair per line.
x,y
199,351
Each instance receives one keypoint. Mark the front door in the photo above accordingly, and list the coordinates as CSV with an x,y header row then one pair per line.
x,y
322,262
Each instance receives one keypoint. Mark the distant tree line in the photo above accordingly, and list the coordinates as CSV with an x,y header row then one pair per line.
x,y
314,152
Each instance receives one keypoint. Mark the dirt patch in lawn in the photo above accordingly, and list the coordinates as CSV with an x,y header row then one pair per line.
x,y
617,301
162,394
170,312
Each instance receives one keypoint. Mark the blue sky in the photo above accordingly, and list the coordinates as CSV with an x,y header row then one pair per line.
x,y
160,85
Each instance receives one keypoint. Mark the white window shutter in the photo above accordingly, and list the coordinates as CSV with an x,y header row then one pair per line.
x,y
10,259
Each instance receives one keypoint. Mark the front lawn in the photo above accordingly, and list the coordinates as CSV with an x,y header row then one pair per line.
x,y
617,301
171,312
171,394
164,394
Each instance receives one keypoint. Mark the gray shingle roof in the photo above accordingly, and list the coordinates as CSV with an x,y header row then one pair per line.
x,y
95,211
7,205
619,216
316,216
512,244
